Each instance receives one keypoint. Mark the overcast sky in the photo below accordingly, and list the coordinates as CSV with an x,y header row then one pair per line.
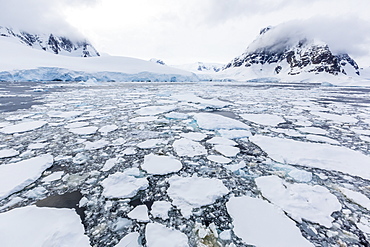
x,y
186,31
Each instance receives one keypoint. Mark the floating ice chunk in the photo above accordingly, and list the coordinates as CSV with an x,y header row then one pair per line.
x,y
228,151
365,138
192,192
129,151
65,114
260,223
189,148
160,165
7,153
143,119
139,213
84,130
222,141
212,121
322,139
195,136
130,240
300,175
234,134
121,185
33,226
152,143
364,225
313,130
356,197
160,209
212,103
37,146
155,110
54,176
225,235
219,159
336,117
108,128
158,235
96,144
323,156
289,132
75,125
109,164
121,223
177,116
313,203
236,167
15,176
263,119
22,127
79,159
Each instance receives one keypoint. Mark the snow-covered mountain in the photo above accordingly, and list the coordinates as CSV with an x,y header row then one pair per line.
x,y
272,55
200,67
23,58
51,43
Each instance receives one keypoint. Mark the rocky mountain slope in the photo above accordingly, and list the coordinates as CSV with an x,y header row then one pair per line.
x,y
51,43
273,55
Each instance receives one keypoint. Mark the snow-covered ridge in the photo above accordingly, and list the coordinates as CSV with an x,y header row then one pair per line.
x,y
200,67
51,43
275,54
22,63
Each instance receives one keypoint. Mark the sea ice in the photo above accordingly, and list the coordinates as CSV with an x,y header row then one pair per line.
x,y
318,155
7,153
143,119
96,144
158,235
186,147
15,176
313,130
109,164
107,129
356,197
75,125
139,213
234,134
204,103
64,114
155,110
160,209
260,223
263,119
313,203
222,141
123,185
228,151
177,116
160,165
322,139
53,177
211,121
300,175
152,143
130,240
219,159
84,130
22,127
34,227
192,192
336,117
195,136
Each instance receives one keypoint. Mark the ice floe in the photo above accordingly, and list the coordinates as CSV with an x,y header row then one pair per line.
x,y
84,130
312,203
160,209
107,129
54,176
155,110
158,235
130,240
23,127
33,226
219,159
222,141
189,148
195,136
6,153
193,192
356,197
15,176
96,144
263,119
160,164
259,223
139,213
228,151
318,155
152,143
211,121
123,185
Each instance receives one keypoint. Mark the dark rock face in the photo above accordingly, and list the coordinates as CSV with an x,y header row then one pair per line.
x,y
51,43
303,56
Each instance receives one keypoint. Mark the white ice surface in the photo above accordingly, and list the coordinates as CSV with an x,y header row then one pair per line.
x,y
143,119
139,213
15,176
152,143
219,159
64,114
177,115
259,223
107,129
234,134
155,110
195,136
22,127
313,130
228,151
96,144
323,156
300,175
189,148
313,203
211,121
356,197
222,141
123,185
192,98
130,240
54,176
158,235
160,164
160,209
6,153
336,117
75,125
109,164
263,119
322,139
192,192
84,130
35,227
